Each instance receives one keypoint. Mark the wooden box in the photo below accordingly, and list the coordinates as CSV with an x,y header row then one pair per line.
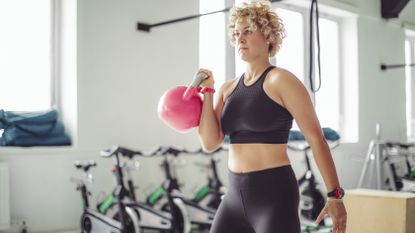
x,y
378,211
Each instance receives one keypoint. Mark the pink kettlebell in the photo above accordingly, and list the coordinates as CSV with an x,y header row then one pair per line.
x,y
180,107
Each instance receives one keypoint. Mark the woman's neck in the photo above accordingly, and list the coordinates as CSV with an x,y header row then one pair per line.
x,y
255,69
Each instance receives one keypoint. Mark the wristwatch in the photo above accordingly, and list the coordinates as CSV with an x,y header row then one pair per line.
x,y
337,193
205,90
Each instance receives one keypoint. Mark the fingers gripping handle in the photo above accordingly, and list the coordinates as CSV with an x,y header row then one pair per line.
x,y
198,79
192,89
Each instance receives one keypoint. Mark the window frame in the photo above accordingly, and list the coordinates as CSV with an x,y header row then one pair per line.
x,y
410,37
56,48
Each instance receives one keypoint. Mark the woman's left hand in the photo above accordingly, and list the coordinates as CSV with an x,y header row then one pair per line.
x,y
336,210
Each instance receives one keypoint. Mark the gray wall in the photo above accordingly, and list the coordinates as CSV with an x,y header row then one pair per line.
x,y
121,73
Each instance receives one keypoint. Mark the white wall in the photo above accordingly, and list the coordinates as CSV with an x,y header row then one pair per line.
x,y
122,72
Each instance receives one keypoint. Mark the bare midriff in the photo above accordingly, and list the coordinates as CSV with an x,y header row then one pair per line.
x,y
255,157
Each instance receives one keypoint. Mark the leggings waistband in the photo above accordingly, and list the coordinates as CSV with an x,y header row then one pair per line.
x,y
266,177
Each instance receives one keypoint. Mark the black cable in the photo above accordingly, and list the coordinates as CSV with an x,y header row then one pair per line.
x,y
147,27
311,67
385,67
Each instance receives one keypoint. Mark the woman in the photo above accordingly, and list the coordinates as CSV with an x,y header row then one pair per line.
x,y
256,111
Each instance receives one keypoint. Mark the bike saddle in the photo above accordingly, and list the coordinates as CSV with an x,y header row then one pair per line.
x,y
85,165
221,148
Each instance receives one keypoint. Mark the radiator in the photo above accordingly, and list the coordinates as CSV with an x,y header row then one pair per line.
x,y
4,196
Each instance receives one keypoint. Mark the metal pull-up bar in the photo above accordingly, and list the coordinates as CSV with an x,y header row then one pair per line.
x,y
147,27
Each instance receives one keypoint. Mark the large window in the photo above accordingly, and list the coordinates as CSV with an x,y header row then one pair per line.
x,y
334,108
410,85
327,99
212,40
26,54
291,54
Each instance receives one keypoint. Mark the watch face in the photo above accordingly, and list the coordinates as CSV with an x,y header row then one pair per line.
x,y
339,192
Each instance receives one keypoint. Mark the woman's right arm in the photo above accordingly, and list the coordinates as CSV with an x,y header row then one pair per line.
x,y
210,132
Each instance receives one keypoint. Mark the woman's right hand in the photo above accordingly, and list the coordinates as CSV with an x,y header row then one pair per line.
x,y
209,81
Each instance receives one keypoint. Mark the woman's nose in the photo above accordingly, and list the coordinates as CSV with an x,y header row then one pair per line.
x,y
241,39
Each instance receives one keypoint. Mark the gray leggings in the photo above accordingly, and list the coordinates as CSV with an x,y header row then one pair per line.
x,y
264,201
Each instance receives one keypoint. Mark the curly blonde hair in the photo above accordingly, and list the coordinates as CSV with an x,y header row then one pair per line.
x,y
259,14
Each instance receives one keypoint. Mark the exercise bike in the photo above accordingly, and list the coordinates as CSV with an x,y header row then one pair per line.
x,y
175,221
201,217
92,221
211,194
312,200
405,182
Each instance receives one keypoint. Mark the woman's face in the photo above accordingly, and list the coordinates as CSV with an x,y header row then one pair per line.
x,y
250,43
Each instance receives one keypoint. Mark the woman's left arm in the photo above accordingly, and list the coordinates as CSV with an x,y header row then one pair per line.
x,y
296,99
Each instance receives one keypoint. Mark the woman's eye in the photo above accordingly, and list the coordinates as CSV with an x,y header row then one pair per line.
x,y
244,32
248,32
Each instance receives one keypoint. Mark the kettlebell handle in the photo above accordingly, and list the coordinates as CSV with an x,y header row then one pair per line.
x,y
192,88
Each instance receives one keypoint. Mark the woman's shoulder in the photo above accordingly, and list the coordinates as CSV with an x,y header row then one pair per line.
x,y
282,77
229,83
279,72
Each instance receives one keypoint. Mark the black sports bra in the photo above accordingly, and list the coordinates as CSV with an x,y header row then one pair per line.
x,y
249,115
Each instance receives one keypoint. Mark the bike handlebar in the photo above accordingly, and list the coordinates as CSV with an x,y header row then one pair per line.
x,y
115,150
175,151
304,146
400,145
158,151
